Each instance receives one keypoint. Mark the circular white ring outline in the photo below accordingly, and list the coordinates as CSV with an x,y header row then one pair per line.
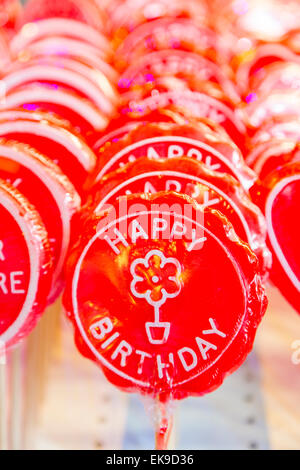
x,y
276,246
195,96
75,305
16,326
67,77
59,136
179,175
170,139
58,196
84,108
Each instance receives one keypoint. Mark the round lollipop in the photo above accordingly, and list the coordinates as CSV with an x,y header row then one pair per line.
x,y
256,63
281,128
52,137
147,286
45,186
167,33
81,113
84,53
26,267
187,176
196,105
279,199
85,11
191,68
127,15
274,104
172,140
25,281
271,155
63,72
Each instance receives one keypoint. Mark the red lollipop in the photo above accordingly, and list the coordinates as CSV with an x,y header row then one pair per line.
x,y
271,155
68,73
167,33
256,63
126,15
45,186
190,68
279,197
188,176
169,140
25,266
84,53
85,11
81,113
148,285
196,105
275,104
52,137
279,76
282,128
128,119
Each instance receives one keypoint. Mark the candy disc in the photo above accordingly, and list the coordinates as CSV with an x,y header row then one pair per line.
x,y
62,72
148,285
52,137
274,154
25,266
54,197
188,176
169,140
280,198
167,33
85,11
81,113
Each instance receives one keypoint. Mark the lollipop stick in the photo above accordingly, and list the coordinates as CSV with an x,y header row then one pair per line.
x,y
3,401
164,429
17,394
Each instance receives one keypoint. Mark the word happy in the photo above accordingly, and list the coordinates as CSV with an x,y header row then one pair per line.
x,y
159,228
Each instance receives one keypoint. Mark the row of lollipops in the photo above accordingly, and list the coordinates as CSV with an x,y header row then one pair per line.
x,y
125,136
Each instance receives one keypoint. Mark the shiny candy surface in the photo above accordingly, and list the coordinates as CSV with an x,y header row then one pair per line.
x,y
169,140
279,198
25,266
54,197
188,176
147,291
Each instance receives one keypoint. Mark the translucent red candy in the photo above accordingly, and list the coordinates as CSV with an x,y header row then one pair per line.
x,y
147,287
25,266
52,194
168,140
55,72
273,154
54,138
168,33
81,113
279,198
62,27
188,176
266,107
255,65
87,11
127,15
188,67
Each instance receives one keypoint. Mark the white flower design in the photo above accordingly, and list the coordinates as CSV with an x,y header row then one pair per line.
x,y
156,278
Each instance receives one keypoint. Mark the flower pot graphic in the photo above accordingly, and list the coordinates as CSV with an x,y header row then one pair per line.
x,y
156,278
